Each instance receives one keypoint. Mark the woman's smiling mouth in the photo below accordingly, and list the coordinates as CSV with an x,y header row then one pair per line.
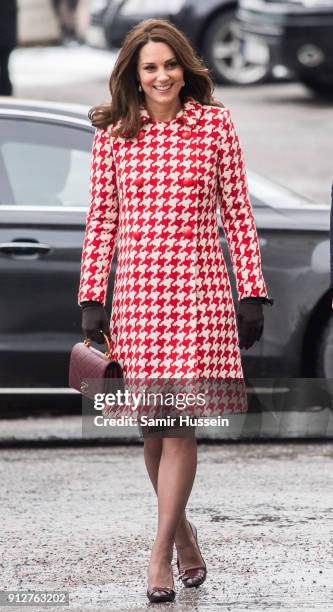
x,y
163,87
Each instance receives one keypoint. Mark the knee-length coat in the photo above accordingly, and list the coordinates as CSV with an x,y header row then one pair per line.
x,y
156,197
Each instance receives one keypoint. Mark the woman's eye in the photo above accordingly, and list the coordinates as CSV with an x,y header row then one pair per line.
x,y
170,65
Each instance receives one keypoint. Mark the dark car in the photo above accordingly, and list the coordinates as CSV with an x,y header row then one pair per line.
x,y
299,35
210,25
44,197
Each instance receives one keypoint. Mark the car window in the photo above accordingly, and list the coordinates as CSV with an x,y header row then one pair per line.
x,y
44,164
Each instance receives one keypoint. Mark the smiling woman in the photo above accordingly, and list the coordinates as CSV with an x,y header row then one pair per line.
x,y
152,57
164,153
161,79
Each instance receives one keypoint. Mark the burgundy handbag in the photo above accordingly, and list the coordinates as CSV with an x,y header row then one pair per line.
x,y
90,369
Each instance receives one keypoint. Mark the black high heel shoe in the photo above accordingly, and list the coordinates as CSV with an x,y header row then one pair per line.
x,y
195,575
160,594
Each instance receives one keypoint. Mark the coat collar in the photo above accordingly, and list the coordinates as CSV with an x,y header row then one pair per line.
x,y
189,114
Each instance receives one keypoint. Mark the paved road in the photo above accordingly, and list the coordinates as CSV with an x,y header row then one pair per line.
x,y
286,134
83,520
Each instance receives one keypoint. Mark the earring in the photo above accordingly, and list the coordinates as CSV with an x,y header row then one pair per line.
x,y
140,88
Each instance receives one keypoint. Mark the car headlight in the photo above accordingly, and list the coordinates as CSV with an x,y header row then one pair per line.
x,y
146,7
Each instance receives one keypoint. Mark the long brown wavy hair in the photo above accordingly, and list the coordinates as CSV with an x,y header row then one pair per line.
x,y
123,84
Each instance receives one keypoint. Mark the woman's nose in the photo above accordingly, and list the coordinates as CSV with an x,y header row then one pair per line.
x,y
162,76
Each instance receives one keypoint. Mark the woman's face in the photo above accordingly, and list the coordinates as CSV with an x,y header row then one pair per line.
x,y
159,73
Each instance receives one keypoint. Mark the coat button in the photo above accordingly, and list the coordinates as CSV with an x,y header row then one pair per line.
x,y
188,233
188,182
139,182
187,134
136,235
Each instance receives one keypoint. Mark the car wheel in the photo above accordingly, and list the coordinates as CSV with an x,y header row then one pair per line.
x,y
320,86
227,55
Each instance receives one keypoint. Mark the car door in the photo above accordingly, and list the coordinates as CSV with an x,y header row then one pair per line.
x,y
44,194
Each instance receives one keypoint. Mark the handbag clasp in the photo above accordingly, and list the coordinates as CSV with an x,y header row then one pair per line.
x,y
107,341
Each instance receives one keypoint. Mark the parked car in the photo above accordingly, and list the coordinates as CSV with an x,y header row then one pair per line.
x,y
299,35
44,186
210,25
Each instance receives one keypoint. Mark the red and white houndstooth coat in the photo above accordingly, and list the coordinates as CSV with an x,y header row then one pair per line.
x,y
156,197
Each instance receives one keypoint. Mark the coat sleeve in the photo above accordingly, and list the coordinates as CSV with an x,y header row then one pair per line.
x,y
236,214
101,222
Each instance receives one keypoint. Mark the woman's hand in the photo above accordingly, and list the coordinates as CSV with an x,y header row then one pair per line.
x,y
94,319
250,321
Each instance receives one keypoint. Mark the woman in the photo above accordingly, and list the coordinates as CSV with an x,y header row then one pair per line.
x,y
163,152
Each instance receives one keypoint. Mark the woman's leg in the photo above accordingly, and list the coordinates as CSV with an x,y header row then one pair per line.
x,y
152,456
175,477
184,540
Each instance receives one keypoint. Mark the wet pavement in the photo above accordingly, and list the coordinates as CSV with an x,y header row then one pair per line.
x,y
83,520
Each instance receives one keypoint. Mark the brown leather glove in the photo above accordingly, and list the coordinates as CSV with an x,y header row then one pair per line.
x,y
250,321
94,319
